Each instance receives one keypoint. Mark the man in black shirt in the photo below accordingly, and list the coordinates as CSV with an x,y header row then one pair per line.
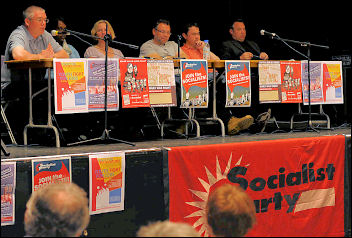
x,y
239,48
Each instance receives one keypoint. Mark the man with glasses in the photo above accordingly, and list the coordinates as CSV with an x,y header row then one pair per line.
x,y
30,41
160,47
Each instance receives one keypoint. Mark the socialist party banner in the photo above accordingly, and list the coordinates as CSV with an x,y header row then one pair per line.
x,y
70,86
8,187
51,170
194,84
106,182
238,83
134,83
96,84
297,185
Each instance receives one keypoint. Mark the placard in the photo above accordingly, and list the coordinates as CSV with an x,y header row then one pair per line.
x,y
238,83
194,84
106,182
134,83
70,86
96,84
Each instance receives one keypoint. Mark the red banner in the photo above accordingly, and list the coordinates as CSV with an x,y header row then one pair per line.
x,y
297,184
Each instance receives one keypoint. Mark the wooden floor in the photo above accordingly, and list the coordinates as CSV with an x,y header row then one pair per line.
x,y
24,152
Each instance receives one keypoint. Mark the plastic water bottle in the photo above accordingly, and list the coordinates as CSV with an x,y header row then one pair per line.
x,y
206,50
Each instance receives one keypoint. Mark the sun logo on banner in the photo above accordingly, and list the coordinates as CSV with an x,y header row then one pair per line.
x,y
212,181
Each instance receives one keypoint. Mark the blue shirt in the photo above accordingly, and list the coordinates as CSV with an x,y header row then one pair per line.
x,y
21,37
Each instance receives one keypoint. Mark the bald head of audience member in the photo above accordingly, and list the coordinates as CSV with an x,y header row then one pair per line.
x,y
230,211
167,229
57,210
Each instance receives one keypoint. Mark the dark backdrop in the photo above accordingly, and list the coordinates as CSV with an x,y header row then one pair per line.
x,y
316,21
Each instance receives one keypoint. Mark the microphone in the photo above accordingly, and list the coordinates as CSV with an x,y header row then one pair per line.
x,y
264,32
55,32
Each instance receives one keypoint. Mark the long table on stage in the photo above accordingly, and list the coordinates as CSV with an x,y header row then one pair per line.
x,y
36,64
48,64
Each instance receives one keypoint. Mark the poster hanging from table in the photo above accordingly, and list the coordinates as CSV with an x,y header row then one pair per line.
x,y
291,84
297,185
106,182
194,84
238,83
161,80
332,82
96,84
51,170
70,86
316,82
134,83
8,187
269,81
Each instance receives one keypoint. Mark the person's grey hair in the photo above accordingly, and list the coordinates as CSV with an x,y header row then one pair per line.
x,y
57,210
167,229
29,12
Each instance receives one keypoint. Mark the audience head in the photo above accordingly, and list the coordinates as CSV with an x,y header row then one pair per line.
x,y
167,229
35,20
57,210
191,34
238,30
230,211
99,29
162,31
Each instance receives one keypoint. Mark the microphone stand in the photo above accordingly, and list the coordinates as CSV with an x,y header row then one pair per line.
x,y
308,45
105,135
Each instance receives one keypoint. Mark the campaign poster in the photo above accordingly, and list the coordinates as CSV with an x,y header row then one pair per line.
x,y
134,83
269,82
194,84
238,83
107,182
51,170
291,84
316,83
8,187
70,86
161,80
332,82
96,84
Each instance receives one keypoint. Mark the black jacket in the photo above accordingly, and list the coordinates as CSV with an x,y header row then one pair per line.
x,y
232,49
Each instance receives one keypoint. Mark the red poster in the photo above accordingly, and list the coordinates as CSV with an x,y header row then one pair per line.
x,y
134,83
297,184
291,81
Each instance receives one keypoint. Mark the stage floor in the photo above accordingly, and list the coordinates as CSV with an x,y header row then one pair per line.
x,y
22,152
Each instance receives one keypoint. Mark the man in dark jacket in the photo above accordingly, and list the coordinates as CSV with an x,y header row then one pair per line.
x,y
239,48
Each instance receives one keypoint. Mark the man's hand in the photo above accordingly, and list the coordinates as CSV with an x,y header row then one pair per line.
x,y
47,53
246,56
263,56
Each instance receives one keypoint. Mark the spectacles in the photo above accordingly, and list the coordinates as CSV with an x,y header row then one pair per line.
x,y
163,32
46,20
